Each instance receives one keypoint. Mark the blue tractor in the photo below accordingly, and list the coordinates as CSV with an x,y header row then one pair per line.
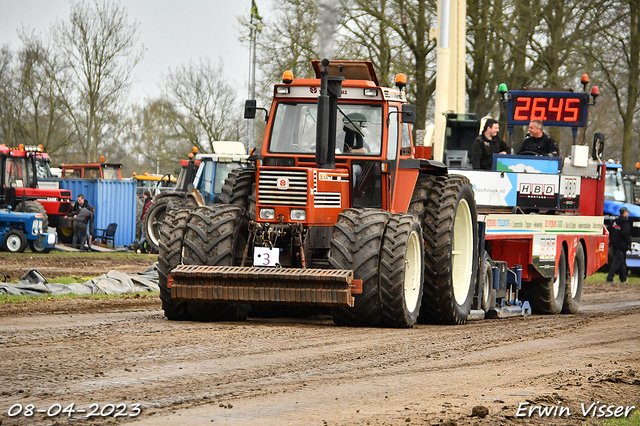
x,y
199,183
618,194
18,229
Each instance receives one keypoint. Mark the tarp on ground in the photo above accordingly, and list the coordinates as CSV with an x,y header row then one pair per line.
x,y
113,282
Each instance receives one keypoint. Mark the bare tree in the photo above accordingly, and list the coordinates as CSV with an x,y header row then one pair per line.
x,y
616,51
42,117
100,49
156,136
205,101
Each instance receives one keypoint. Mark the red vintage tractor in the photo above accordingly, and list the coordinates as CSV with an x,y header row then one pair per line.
x,y
19,181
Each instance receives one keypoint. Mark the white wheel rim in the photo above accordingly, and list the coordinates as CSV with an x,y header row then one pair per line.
x,y
556,285
412,271
13,242
575,279
153,229
488,284
462,252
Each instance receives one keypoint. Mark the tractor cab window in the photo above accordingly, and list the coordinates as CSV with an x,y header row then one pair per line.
x,y
110,173
72,173
405,143
613,186
16,174
92,173
358,129
222,171
392,147
43,168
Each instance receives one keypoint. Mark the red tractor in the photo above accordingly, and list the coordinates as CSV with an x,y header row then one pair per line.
x,y
19,181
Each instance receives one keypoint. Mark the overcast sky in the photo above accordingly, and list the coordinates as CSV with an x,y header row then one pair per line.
x,y
173,33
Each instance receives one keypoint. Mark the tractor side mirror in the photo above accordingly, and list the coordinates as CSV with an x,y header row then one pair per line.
x,y
408,114
598,146
250,109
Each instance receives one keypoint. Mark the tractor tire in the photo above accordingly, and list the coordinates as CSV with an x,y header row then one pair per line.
x,y
450,231
14,241
486,281
216,235
546,296
573,287
154,217
356,245
37,248
35,207
401,270
170,256
237,187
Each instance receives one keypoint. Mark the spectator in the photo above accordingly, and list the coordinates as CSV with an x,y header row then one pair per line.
x,y
77,206
619,243
538,143
80,222
487,144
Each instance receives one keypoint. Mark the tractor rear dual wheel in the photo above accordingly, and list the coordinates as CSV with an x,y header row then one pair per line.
x,y
450,232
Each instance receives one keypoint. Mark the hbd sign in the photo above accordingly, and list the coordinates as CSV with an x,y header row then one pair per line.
x,y
283,183
537,189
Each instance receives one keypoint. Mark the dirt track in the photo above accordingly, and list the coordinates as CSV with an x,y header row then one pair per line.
x,y
286,371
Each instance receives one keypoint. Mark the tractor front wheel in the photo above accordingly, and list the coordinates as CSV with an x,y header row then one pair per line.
x,y
216,235
15,241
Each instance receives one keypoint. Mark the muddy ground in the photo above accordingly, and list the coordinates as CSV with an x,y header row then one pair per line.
x,y
309,372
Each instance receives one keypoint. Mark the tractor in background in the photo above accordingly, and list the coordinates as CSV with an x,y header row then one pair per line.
x,y
199,183
19,187
19,230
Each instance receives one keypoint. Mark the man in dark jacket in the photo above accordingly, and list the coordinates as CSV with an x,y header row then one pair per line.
x,y
538,143
77,206
80,222
619,243
486,144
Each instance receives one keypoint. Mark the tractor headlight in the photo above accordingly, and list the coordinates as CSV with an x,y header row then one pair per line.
x,y
267,214
36,228
298,214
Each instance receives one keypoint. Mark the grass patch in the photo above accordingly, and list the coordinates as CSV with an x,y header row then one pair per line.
x,y
71,254
8,298
601,277
632,420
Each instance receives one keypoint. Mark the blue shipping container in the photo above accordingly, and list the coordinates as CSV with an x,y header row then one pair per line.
x,y
114,200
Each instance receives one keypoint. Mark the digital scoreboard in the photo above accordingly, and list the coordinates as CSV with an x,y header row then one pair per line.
x,y
552,108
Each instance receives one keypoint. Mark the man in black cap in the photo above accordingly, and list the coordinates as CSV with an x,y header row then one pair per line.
x,y
619,243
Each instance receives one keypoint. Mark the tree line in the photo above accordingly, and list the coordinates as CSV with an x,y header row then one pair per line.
x,y
67,88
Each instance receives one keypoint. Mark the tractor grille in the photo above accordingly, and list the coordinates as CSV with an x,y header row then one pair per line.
x,y
295,195
326,199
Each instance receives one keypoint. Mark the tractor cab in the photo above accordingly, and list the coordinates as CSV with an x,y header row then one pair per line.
x,y
333,142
